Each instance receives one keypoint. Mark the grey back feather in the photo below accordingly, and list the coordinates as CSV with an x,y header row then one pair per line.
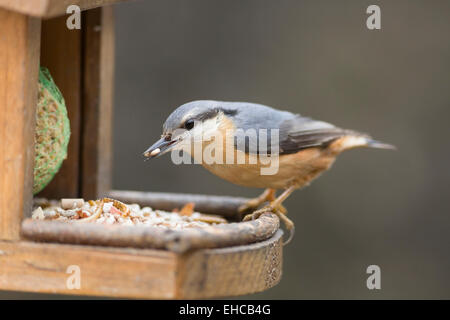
x,y
295,132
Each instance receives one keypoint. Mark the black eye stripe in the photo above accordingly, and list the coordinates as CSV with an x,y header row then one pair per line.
x,y
208,115
229,112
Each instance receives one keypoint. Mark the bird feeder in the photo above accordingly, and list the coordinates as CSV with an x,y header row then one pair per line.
x,y
239,258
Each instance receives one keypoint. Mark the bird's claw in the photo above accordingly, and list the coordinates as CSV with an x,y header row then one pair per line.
x,y
282,209
256,214
280,213
253,204
249,205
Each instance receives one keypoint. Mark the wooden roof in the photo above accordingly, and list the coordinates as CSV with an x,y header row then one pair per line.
x,y
51,8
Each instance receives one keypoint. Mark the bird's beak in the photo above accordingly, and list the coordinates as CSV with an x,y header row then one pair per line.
x,y
160,147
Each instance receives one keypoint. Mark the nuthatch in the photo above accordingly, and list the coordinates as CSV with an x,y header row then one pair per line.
x,y
305,147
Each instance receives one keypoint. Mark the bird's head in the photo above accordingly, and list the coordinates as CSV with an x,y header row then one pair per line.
x,y
189,123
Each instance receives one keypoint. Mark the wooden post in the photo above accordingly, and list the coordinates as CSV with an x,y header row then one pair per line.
x,y
19,63
61,54
98,83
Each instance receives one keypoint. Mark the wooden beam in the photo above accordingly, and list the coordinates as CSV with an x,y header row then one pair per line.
x,y
51,8
98,84
142,273
61,54
27,266
19,65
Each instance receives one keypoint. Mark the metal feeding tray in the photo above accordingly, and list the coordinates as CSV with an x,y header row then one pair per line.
x,y
116,261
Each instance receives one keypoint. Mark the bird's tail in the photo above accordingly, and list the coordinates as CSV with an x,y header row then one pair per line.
x,y
371,143
356,140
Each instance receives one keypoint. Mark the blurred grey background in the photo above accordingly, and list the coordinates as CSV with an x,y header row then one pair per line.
x,y
319,59
316,58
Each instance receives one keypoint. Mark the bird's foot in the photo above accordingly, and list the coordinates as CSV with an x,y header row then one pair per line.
x,y
269,208
253,204
282,209
280,212
250,205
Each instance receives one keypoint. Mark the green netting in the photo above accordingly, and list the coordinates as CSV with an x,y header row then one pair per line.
x,y
52,131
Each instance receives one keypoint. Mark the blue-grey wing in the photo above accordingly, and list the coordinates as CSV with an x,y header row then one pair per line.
x,y
279,131
300,133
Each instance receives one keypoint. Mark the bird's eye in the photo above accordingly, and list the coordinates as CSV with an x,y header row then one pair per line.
x,y
189,124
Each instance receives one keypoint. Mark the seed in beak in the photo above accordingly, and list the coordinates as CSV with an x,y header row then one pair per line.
x,y
154,152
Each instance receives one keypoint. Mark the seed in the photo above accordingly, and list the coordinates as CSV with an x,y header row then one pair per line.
x,y
155,152
38,214
72,203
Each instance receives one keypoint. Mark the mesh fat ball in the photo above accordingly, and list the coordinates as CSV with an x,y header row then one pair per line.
x,y
52,131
